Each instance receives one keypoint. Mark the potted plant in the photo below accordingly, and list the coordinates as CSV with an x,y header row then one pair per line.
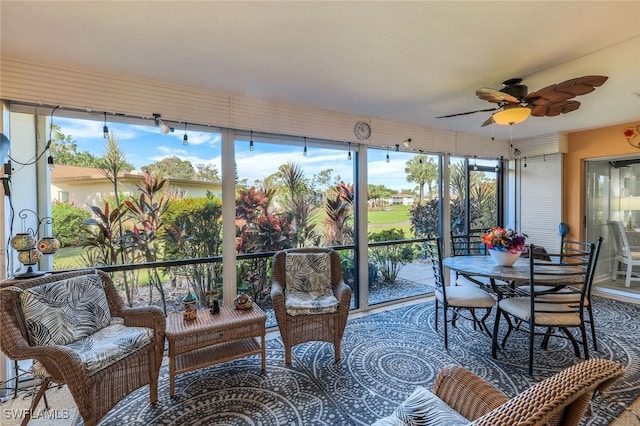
x,y
505,245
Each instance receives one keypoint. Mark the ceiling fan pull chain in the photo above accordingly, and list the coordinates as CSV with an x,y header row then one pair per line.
x,y
511,134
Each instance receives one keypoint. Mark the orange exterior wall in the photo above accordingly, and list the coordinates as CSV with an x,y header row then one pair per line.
x,y
603,142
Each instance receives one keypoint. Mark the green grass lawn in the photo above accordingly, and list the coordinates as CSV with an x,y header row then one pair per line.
x,y
390,217
392,214
70,258
67,258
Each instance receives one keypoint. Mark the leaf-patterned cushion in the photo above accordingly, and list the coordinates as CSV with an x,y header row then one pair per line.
x,y
60,312
308,272
110,344
423,408
309,303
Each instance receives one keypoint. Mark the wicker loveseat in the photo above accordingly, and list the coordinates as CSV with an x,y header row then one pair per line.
x,y
461,397
78,328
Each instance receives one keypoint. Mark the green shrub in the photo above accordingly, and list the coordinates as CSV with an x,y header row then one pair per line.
x,y
194,230
68,223
390,259
424,219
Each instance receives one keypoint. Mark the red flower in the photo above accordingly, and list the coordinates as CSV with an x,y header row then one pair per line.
x,y
630,132
501,239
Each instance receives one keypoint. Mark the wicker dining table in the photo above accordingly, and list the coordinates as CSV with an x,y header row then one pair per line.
x,y
214,338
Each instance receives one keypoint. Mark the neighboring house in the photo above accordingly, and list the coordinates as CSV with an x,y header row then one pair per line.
x,y
85,186
401,200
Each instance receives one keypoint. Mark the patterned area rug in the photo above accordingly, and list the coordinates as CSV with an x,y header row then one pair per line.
x,y
385,356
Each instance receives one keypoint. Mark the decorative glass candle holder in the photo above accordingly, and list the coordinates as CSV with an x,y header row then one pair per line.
x,y
26,243
190,302
23,241
48,245
29,257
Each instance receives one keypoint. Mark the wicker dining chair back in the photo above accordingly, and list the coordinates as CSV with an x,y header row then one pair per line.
x,y
296,328
95,392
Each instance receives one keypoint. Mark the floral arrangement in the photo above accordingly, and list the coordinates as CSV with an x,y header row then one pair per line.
x,y
630,133
504,240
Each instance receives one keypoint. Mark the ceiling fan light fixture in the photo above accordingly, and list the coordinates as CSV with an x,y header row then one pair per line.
x,y
513,115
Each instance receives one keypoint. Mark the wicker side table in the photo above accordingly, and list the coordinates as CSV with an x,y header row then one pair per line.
x,y
213,338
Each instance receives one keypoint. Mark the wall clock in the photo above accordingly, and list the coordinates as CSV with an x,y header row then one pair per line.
x,y
362,130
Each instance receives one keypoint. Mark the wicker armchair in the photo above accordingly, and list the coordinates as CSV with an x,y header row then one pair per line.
x,y
310,326
94,392
561,399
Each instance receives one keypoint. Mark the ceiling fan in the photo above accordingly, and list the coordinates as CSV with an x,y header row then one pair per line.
x,y
515,104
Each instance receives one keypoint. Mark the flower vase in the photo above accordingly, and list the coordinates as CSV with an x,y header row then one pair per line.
x,y
505,258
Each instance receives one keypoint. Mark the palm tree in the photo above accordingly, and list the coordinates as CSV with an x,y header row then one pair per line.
x,y
422,170
299,202
378,193
339,215
292,177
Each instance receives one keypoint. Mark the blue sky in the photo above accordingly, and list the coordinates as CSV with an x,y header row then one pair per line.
x,y
144,145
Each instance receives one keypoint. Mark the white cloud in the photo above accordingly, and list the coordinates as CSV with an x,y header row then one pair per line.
x,y
258,165
197,138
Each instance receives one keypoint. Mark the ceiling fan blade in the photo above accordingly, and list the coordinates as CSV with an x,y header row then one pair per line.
x,y
488,121
555,108
592,80
567,89
571,86
550,94
496,96
469,112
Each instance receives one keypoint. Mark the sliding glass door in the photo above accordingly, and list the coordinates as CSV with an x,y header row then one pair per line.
x,y
613,194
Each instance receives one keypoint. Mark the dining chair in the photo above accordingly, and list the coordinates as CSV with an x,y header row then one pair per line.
x,y
572,293
624,254
532,310
467,245
456,298
540,253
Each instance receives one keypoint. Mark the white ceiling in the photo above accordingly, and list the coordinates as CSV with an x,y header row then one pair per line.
x,y
401,61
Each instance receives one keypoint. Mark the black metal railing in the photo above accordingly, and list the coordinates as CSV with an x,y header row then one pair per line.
x,y
381,288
